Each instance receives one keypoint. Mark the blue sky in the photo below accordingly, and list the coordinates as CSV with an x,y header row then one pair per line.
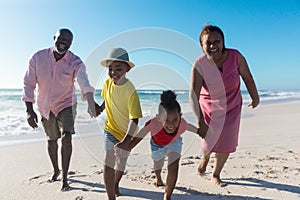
x,y
266,32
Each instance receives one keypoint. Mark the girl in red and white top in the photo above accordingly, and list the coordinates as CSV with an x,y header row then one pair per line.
x,y
166,129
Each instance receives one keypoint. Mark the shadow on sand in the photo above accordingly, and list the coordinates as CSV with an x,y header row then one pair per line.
x,y
254,182
194,194
153,195
97,187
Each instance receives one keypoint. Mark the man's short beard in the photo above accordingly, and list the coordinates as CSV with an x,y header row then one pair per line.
x,y
59,52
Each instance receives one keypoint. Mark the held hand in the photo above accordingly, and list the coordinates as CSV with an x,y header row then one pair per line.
x,y
202,131
92,109
121,150
32,119
98,109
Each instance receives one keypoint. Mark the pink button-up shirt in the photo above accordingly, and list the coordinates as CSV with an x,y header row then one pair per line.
x,y
55,81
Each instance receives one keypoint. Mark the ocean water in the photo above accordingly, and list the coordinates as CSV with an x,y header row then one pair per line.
x,y
13,116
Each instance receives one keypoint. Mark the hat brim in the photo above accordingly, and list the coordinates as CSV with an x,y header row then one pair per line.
x,y
104,62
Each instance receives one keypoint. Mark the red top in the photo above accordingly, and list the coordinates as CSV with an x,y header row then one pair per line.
x,y
158,134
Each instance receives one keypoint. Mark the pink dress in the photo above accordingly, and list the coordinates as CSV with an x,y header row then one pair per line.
x,y
221,103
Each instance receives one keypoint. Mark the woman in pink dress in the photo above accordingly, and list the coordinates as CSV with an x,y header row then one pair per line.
x,y
216,98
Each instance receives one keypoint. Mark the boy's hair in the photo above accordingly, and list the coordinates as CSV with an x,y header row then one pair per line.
x,y
168,102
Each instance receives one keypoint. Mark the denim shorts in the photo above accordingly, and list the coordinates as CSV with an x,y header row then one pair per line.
x,y
109,141
159,152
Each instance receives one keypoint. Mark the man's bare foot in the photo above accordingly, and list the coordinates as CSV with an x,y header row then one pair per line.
x,y
202,166
54,176
217,181
65,186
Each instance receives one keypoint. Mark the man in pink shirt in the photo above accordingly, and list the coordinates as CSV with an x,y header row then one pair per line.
x,y
54,71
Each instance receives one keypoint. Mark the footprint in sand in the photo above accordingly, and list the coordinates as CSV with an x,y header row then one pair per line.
x,y
35,177
187,162
40,179
71,173
98,172
258,172
144,177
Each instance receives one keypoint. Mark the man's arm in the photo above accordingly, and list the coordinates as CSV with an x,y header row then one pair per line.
x,y
91,104
249,81
31,115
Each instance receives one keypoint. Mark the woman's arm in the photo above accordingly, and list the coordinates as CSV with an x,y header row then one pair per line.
x,y
195,88
249,81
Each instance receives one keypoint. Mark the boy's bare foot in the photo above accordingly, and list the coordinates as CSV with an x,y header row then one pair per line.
x,y
117,191
217,181
166,197
54,176
65,186
202,166
159,184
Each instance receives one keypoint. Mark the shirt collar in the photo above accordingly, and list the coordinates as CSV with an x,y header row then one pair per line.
x,y
63,58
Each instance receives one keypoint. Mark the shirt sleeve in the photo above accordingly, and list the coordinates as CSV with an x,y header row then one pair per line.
x,y
30,82
82,79
183,126
148,125
104,89
135,110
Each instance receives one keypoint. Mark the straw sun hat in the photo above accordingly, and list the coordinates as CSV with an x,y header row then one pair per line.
x,y
117,54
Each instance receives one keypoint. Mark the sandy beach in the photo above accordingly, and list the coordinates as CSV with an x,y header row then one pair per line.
x,y
265,166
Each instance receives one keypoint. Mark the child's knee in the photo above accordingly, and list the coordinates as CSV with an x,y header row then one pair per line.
x,y
109,159
173,157
121,164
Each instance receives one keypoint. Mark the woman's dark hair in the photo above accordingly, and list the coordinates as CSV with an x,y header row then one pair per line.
x,y
208,29
168,102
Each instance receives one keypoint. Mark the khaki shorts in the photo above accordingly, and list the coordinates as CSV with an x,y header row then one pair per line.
x,y
64,122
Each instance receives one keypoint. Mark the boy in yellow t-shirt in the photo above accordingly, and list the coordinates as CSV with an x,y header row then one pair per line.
x,y
123,110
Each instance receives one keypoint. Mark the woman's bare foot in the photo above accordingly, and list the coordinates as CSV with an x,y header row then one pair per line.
x,y
217,181
202,166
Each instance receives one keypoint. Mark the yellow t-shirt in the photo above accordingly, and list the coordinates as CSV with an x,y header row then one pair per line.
x,y
122,103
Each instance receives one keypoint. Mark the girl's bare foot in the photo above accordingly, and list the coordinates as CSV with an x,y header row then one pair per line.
x,y
202,166
217,181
